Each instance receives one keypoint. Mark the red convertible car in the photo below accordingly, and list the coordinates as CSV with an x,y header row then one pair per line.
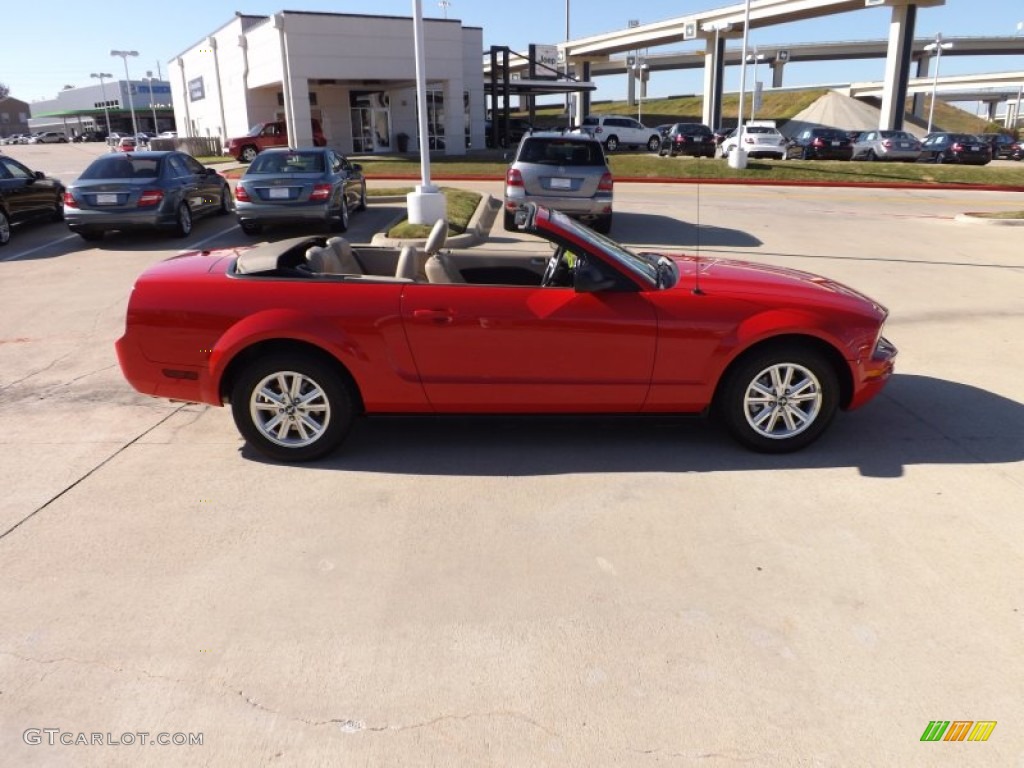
x,y
303,335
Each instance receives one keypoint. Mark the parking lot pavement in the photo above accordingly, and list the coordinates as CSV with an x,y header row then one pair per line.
x,y
567,592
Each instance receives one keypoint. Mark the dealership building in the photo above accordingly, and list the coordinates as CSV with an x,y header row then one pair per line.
x,y
112,102
355,74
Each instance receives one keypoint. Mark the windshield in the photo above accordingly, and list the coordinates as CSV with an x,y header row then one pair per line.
x,y
255,130
288,162
123,167
635,264
561,151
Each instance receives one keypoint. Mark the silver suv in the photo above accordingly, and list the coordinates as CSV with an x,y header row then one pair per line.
x,y
615,131
564,172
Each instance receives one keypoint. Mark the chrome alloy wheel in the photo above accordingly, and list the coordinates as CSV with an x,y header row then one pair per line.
x,y
782,401
290,409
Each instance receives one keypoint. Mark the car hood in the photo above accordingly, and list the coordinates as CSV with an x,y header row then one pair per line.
x,y
741,279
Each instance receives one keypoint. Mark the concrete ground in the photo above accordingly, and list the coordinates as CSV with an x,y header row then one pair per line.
x,y
525,592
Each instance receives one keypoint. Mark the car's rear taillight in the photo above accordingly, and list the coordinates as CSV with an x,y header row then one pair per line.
x,y
606,183
599,129
241,193
887,143
958,147
150,197
513,178
818,143
69,200
320,192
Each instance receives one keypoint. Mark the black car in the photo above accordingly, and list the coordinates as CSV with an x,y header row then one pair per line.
x,y
517,128
1004,147
91,136
144,190
26,194
688,139
820,144
965,148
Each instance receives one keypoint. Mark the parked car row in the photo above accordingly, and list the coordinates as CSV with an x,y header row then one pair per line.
x,y
41,137
167,190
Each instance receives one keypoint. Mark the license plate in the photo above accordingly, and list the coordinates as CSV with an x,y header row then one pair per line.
x,y
975,147
558,183
835,143
279,192
106,199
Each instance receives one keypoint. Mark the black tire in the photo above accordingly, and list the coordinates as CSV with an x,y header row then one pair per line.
x,y
939,159
251,227
225,201
248,153
90,235
5,229
327,414
611,143
871,156
58,208
510,221
804,154
653,143
183,221
742,406
362,198
603,224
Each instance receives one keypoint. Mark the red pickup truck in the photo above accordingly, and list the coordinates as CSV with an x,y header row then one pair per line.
x,y
264,135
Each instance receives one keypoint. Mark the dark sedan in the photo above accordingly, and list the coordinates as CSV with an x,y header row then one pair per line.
x,y
964,148
315,185
688,139
144,190
1004,147
820,144
26,194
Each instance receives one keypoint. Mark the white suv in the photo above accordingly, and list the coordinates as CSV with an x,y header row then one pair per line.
x,y
615,131
49,137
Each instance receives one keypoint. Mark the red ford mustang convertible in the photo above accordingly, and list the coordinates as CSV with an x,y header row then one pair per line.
x,y
301,336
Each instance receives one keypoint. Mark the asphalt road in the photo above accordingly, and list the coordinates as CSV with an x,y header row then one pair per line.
x,y
568,592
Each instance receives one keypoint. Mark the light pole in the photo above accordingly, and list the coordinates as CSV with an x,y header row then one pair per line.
x,y
444,5
738,157
150,79
106,114
128,83
755,57
938,46
638,72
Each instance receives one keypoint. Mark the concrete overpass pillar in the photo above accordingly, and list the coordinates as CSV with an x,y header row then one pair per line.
x,y
583,97
992,105
630,86
897,66
777,66
714,75
917,105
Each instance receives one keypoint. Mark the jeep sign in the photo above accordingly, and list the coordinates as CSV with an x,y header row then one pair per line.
x,y
544,64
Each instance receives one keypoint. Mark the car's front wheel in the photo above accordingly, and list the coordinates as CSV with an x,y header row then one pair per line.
x,y
292,407
779,399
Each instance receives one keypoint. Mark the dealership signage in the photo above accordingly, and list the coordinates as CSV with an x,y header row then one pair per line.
x,y
195,90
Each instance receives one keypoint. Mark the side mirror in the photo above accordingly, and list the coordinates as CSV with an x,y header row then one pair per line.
x,y
39,175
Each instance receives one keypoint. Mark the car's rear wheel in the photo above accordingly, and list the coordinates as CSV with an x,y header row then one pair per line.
x,y
58,207
91,235
5,229
339,221
183,222
225,201
251,227
603,224
362,198
292,407
871,156
510,221
653,143
248,153
779,399
611,143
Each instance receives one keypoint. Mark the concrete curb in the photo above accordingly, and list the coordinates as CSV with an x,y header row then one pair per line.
x,y
477,231
985,220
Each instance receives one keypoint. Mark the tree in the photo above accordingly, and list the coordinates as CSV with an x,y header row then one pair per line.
x,y
4,91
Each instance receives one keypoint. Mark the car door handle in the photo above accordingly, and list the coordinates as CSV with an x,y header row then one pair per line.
x,y
435,316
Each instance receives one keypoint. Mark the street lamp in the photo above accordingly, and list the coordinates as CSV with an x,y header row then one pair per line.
x,y
444,5
755,57
938,46
106,114
150,79
131,105
639,68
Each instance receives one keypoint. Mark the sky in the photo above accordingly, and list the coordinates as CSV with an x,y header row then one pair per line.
x,y
40,53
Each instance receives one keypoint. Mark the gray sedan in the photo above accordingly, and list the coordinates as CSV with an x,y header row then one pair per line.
x,y
887,145
317,185
144,190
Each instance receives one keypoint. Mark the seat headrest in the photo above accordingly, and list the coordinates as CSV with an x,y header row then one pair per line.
x,y
437,237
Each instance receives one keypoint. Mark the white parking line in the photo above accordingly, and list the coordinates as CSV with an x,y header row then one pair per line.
x,y
29,252
198,246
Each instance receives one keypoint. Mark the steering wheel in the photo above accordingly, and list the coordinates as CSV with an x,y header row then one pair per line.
x,y
552,267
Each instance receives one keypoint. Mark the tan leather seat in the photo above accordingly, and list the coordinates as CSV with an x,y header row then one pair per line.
x,y
335,258
412,264
440,269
